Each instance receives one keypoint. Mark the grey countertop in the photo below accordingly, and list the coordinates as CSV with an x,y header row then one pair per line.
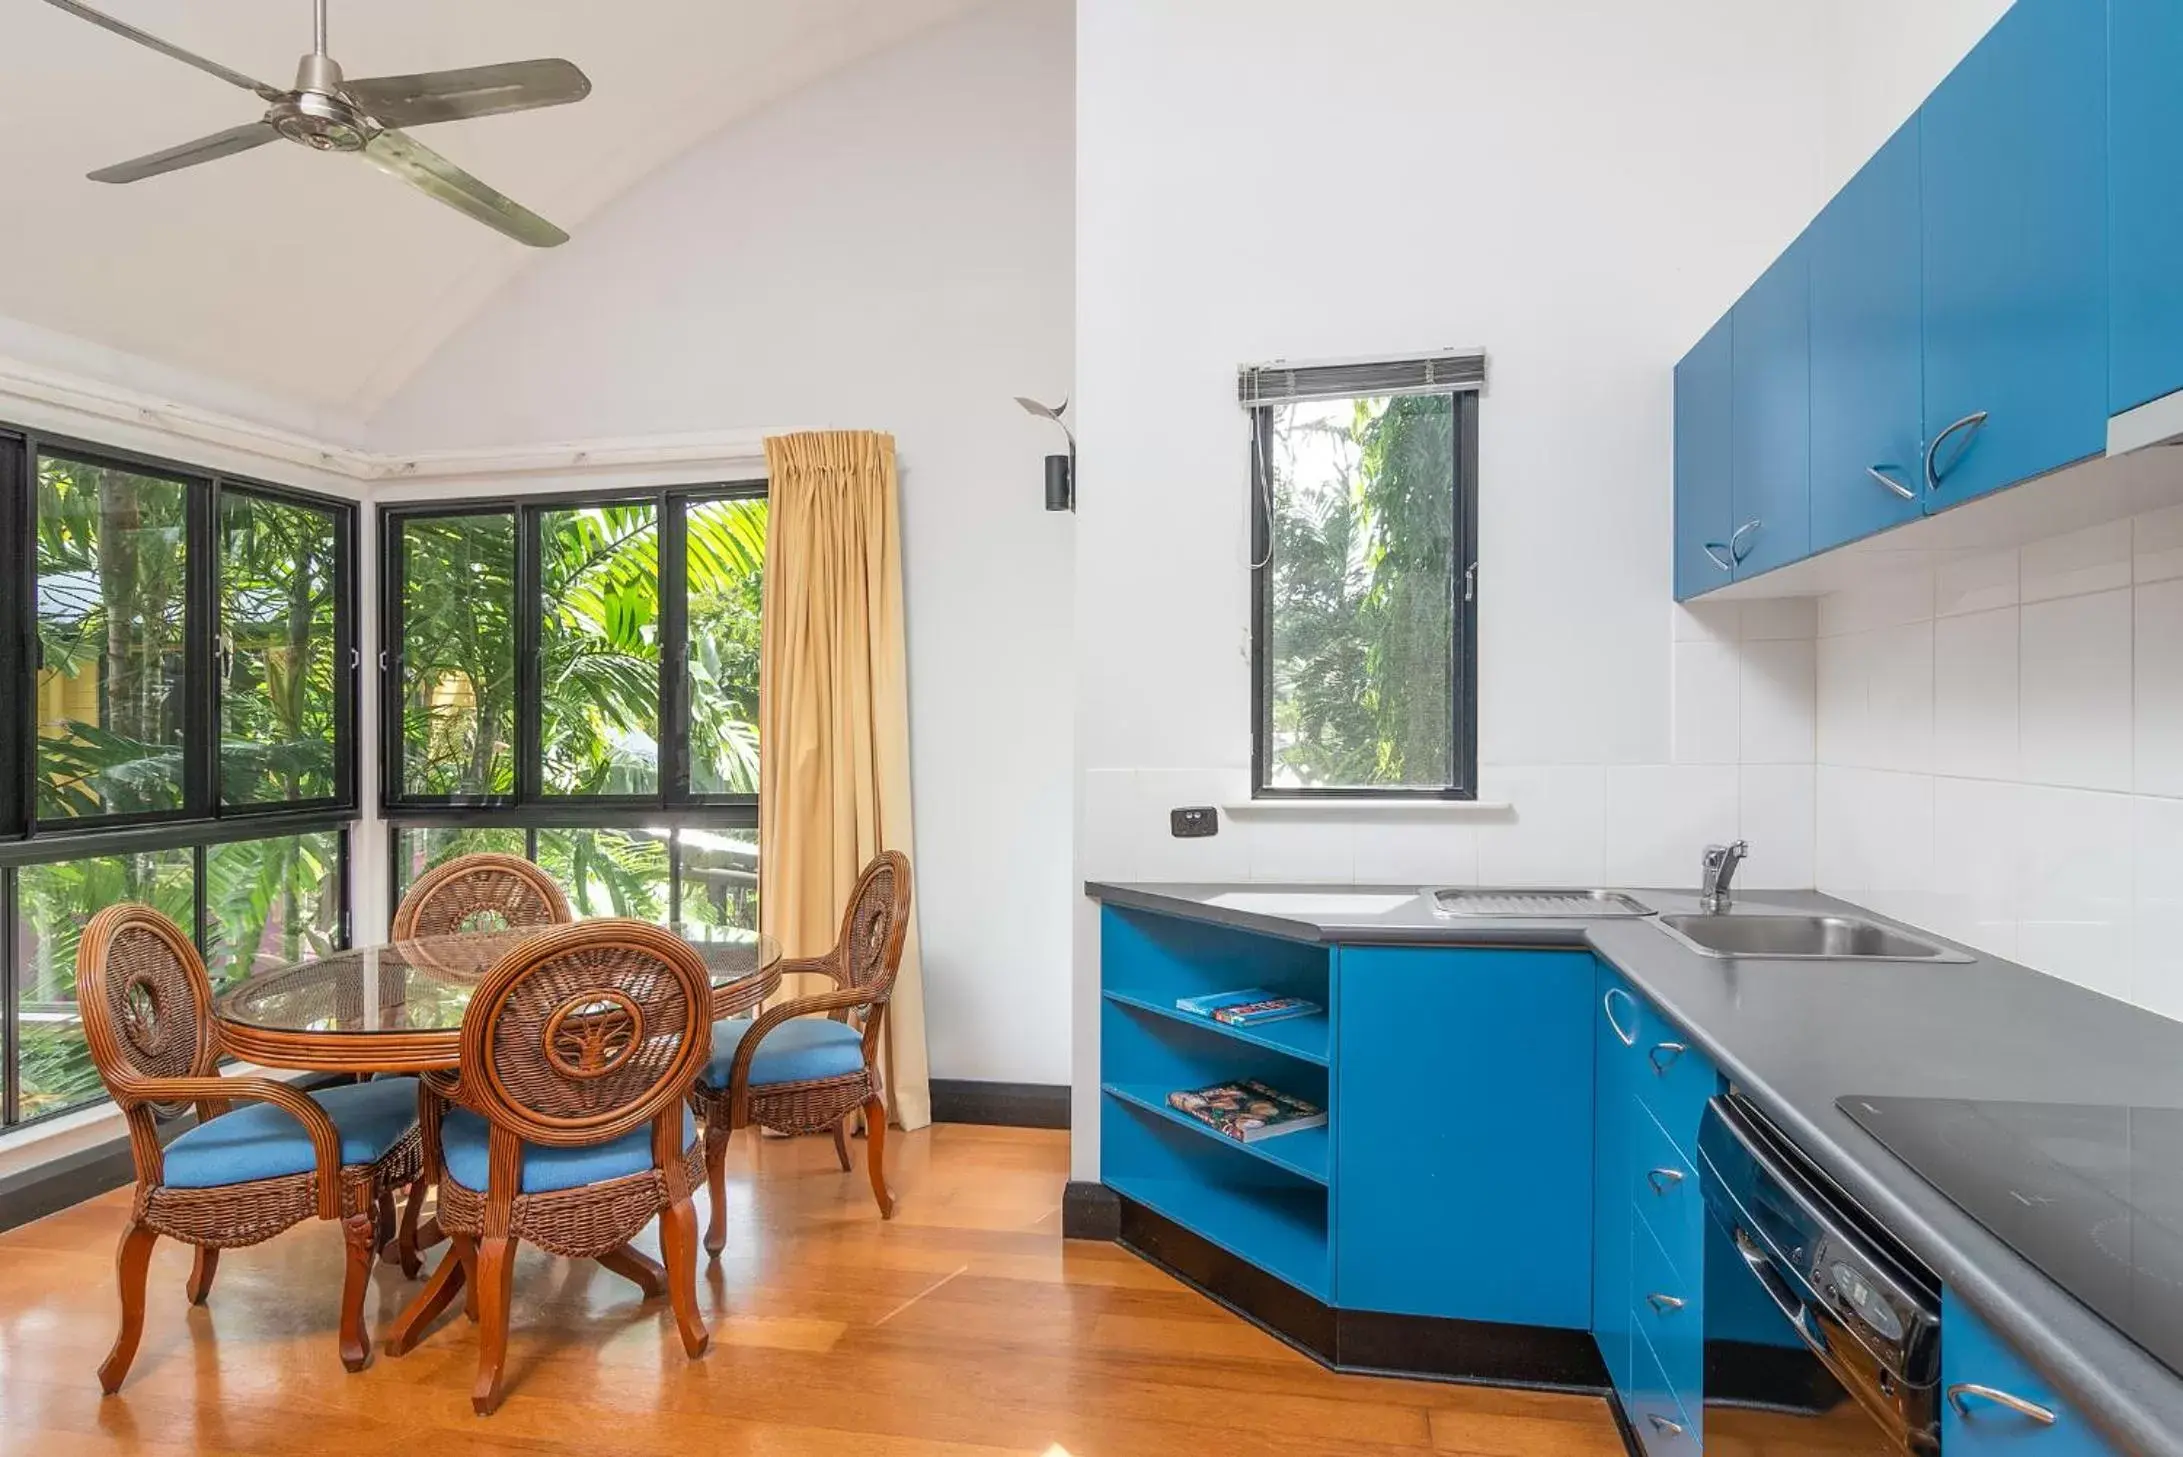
x,y
1794,1036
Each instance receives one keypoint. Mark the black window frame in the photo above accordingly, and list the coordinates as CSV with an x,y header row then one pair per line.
x,y
202,821
1463,586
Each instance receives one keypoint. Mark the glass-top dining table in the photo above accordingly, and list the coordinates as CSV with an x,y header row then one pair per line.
x,y
398,1007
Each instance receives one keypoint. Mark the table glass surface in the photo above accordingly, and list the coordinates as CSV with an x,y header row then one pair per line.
x,y
423,985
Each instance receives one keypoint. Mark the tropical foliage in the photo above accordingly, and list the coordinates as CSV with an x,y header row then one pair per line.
x,y
1362,591
277,584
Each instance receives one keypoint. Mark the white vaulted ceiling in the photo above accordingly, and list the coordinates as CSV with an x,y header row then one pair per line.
x,y
314,278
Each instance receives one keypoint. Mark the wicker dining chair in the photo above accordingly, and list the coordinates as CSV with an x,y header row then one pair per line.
x,y
569,1130
484,892
238,1177
795,1072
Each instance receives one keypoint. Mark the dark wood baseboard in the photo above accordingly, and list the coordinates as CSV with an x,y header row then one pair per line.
x,y
1366,1342
1009,1105
1090,1211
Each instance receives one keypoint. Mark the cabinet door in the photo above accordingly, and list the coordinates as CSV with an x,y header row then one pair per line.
x,y
1868,383
1771,418
1614,1159
1978,1370
2145,153
1704,390
2014,229
1463,1134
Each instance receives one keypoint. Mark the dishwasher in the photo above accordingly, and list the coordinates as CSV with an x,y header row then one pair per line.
x,y
1822,1333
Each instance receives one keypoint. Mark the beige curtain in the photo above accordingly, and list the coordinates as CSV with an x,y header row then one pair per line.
x,y
833,713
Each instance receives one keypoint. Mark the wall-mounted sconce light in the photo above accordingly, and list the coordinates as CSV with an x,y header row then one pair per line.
x,y
1060,469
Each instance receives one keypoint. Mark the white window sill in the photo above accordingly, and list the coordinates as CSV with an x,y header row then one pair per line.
x,y
1340,811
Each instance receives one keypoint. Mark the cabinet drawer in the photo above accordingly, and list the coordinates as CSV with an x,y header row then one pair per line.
x,y
1668,1308
1663,1425
1676,1079
1666,1194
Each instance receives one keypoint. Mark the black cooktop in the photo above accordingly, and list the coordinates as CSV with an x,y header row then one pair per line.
x,y
2091,1195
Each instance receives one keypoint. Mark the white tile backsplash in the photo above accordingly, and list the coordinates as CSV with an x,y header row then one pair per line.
x,y
1707,702
2046,821
1558,836
1775,811
1779,696
1658,817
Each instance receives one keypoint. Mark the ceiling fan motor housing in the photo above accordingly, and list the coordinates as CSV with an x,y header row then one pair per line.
x,y
316,114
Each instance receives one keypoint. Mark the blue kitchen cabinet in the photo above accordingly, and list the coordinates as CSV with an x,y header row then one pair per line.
x,y
1616,1065
2014,240
2145,191
1704,436
1867,351
1770,418
1462,1103
1981,1376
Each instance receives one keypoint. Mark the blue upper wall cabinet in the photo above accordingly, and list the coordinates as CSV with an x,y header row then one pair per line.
x,y
1704,393
2015,252
1770,418
1867,351
2145,191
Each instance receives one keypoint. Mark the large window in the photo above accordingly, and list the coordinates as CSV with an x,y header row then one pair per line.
x,y
177,657
697,877
1365,587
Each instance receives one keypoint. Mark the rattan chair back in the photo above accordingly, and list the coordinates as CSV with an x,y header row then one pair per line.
x,y
875,924
484,892
583,1033
145,999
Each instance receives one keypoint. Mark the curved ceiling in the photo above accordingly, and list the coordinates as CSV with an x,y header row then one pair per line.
x,y
314,278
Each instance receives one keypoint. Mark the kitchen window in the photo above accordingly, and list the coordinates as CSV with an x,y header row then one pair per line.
x,y
1364,578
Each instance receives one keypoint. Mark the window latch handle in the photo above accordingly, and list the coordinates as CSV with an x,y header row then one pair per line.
x,y
1470,583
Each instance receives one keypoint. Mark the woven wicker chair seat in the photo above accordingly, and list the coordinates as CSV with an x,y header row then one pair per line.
x,y
230,1216
581,1223
547,1170
258,1141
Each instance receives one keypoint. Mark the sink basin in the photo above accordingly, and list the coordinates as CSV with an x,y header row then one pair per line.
x,y
1802,938
1312,902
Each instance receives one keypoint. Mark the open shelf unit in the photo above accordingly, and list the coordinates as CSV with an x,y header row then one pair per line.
x,y
1303,1037
1303,1153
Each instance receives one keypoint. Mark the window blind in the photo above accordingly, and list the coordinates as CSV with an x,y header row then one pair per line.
x,y
1283,381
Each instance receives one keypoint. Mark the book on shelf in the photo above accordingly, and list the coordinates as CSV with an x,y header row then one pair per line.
x,y
1248,1007
1248,1111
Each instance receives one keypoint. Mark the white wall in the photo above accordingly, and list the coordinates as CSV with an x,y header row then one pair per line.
x,y
890,249
2001,753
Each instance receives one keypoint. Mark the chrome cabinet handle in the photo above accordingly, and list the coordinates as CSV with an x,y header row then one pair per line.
x,y
1958,1393
1665,1304
1891,483
1673,1050
1973,422
1735,541
1663,1426
1607,1005
1663,1180
1714,549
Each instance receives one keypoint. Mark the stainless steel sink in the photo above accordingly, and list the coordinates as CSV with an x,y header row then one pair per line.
x,y
1802,938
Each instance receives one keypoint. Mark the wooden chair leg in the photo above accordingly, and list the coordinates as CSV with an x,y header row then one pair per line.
x,y
405,1241
716,1184
202,1269
875,1140
448,1281
678,1242
466,1250
383,1222
841,1144
638,1268
496,1275
132,1264
359,1231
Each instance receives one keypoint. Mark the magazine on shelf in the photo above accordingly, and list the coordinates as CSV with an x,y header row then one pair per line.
x,y
1249,1007
1248,1111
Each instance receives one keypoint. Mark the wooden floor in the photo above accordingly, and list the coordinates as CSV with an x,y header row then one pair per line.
x,y
965,1326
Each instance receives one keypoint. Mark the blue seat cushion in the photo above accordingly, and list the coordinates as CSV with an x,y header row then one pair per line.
x,y
800,1050
260,1141
463,1142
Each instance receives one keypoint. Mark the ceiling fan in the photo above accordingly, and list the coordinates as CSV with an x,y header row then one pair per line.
x,y
329,113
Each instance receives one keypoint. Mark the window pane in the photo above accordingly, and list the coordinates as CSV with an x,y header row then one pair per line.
x,y
608,872
111,560
458,655
52,904
720,878
1361,612
726,554
598,569
277,626
271,902
418,850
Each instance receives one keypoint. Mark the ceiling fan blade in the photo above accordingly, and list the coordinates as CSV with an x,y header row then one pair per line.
x,y
165,48
427,171
189,154
430,96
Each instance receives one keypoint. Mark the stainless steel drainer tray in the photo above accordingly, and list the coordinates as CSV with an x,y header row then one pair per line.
x,y
1528,904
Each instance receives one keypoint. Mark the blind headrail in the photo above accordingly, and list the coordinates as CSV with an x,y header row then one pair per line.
x,y
1283,381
